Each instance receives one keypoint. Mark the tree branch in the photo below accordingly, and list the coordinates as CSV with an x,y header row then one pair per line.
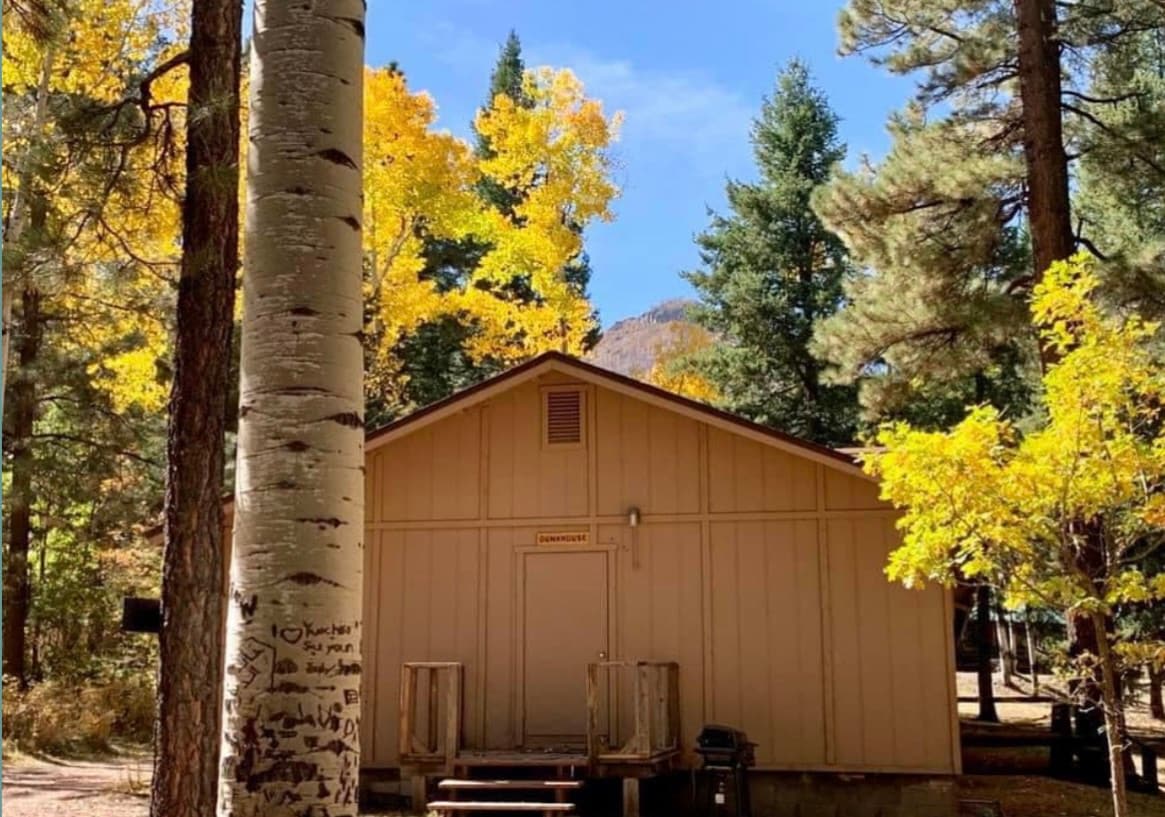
x,y
1083,114
73,438
1102,100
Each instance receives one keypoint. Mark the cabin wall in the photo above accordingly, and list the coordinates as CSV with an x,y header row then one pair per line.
x,y
758,570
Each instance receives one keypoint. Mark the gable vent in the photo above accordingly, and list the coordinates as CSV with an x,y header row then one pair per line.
x,y
563,417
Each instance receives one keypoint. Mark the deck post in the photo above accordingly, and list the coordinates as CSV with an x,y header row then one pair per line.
x,y
452,717
643,709
673,706
433,737
592,715
408,692
630,797
418,792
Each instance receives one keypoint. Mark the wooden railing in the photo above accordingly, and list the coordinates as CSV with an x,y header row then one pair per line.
x,y
435,745
655,694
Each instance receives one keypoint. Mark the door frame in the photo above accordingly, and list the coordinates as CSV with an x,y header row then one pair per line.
x,y
520,554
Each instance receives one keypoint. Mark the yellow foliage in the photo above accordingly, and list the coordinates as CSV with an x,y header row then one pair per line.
x,y
110,277
985,500
673,369
422,183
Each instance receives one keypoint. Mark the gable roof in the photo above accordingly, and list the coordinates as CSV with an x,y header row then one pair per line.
x,y
588,372
842,460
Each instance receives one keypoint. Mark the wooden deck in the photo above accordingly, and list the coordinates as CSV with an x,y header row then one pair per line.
x,y
431,723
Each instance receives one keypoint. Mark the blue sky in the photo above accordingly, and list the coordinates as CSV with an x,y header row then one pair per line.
x,y
689,76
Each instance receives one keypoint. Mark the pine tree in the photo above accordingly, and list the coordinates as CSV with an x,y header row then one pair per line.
x,y
959,223
1120,198
946,222
771,270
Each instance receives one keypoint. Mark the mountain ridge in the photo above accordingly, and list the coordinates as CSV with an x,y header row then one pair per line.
x,y
629,345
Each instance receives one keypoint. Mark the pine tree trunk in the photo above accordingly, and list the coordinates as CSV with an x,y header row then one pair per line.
x,y
1156,705
1049,214
983,642
185,781
292,694
18,217
17,592
1113,719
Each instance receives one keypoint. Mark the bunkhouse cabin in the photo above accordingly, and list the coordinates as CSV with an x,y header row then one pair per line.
x,y
568,568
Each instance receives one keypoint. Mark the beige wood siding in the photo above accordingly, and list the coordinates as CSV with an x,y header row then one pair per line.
x,y
748,476
759,571
528,479
659,605
647,458
891,696
846,493
766,638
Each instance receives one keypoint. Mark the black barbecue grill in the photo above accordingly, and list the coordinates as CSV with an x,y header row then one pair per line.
x,y
726,753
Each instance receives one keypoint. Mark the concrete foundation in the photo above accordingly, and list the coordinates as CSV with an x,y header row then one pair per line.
x,y
790,794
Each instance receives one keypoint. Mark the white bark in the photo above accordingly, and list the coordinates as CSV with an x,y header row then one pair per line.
x,y
1031,654
1113,719
291,700
1001,639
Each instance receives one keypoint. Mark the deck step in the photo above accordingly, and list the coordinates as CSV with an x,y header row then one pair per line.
x,y
519,785
449,806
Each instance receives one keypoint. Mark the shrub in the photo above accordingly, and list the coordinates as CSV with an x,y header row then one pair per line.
x,y
57,717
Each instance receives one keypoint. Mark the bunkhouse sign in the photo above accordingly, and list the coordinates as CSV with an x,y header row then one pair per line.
x,y
573,537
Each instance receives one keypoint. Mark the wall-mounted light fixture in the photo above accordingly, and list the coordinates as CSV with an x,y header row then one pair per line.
x,y
633,523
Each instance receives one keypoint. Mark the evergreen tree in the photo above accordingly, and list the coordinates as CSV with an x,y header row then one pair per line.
x,y
1120,195
946,222
771,269
506,79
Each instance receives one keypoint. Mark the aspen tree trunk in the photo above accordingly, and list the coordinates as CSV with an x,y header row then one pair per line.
x,y
188,727
1006,664
291,702
1031,654
1113,719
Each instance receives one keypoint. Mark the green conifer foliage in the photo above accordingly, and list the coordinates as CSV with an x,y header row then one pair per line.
x,y
941,223
771,269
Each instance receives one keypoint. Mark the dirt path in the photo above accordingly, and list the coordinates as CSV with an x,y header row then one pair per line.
x,y
35,787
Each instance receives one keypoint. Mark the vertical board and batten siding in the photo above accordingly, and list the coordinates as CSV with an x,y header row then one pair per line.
x,y
759,571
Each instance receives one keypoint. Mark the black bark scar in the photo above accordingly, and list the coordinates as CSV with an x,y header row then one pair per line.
x,y
338,157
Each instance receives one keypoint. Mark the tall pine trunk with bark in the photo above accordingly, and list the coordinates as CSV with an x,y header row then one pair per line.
x,y
291,702
1049,212
22,415
185,781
